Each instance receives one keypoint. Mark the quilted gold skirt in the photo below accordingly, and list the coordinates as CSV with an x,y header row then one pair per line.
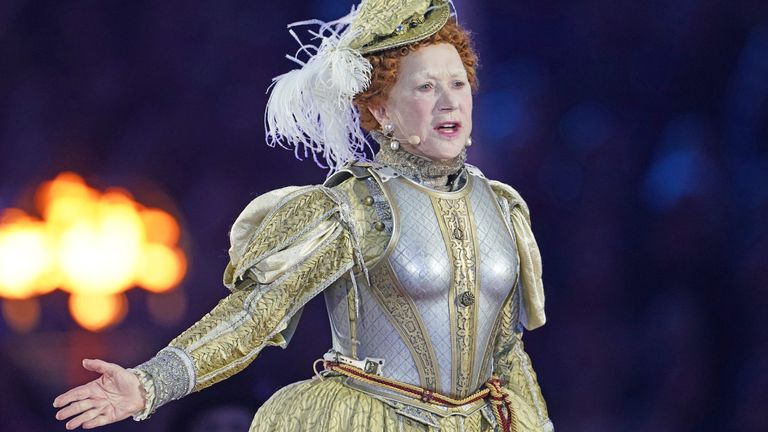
x,y
330,405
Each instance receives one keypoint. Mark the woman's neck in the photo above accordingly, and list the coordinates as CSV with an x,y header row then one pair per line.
x,y
439,175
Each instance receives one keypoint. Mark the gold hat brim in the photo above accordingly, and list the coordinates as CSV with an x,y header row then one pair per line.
x,y
382,24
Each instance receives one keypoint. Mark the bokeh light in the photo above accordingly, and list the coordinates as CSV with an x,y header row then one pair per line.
x,y
26,257
161,267
90,244
22,315
97,312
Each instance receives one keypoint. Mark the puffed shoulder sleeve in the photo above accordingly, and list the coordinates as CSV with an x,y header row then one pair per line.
x,y
532,294
526,306
286,247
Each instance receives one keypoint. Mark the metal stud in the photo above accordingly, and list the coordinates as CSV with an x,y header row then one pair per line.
x,y
467,298
378,226
368,200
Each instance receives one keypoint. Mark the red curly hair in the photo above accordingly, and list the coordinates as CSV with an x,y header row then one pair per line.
x,y
386,66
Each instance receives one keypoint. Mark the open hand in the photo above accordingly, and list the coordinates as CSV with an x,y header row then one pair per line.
x,y
112,397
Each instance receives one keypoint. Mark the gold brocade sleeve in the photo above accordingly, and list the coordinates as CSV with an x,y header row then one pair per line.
x,y
524,308
297,249
513,366
532,298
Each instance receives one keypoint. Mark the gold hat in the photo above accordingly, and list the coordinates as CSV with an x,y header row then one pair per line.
x,y
310,109
382,24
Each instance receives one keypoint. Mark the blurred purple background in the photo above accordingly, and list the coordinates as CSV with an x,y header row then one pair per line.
x,y
636,130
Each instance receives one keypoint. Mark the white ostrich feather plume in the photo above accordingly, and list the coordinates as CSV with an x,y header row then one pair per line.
x,y
310,109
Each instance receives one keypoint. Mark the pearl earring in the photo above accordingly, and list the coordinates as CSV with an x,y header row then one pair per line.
x,y
469,142
389,132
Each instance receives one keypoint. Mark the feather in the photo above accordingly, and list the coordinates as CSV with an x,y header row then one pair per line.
x,y
310,110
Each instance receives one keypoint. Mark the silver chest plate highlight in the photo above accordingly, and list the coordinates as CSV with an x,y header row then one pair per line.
x,y
435,297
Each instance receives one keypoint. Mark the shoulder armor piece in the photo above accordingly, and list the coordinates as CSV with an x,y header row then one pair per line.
x,y
358,170
384,172
473,170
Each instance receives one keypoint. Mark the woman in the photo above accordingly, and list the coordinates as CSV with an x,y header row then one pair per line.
x,y
429,270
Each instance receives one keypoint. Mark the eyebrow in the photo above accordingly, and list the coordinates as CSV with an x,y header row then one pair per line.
x,y
424,75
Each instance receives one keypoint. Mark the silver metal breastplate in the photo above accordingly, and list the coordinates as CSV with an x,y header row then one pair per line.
x,y
435,296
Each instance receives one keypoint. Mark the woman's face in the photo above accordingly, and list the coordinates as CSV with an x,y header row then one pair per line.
x,y
431,99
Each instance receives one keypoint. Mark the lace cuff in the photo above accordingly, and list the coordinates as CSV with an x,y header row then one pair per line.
x,y
167,376
148,391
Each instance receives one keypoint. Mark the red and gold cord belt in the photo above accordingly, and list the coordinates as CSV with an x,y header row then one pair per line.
x,y
492,390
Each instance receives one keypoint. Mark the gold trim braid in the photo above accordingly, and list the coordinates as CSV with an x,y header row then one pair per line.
x,y
459,234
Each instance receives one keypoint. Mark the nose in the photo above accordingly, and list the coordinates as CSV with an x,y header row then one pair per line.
x,y
447,102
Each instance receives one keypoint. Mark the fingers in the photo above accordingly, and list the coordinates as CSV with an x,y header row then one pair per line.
x,y
74,408
84,391
98,421
87,402
99,366
82,418
76,394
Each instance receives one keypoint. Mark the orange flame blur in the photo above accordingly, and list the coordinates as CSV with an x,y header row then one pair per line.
x,y
93,245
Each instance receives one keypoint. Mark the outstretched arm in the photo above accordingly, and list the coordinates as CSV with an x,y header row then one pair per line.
x,y
294,254
288,257
112,397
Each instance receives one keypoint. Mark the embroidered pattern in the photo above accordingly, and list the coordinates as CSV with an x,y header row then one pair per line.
x,y
459,234
293,217
270,308
173,376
